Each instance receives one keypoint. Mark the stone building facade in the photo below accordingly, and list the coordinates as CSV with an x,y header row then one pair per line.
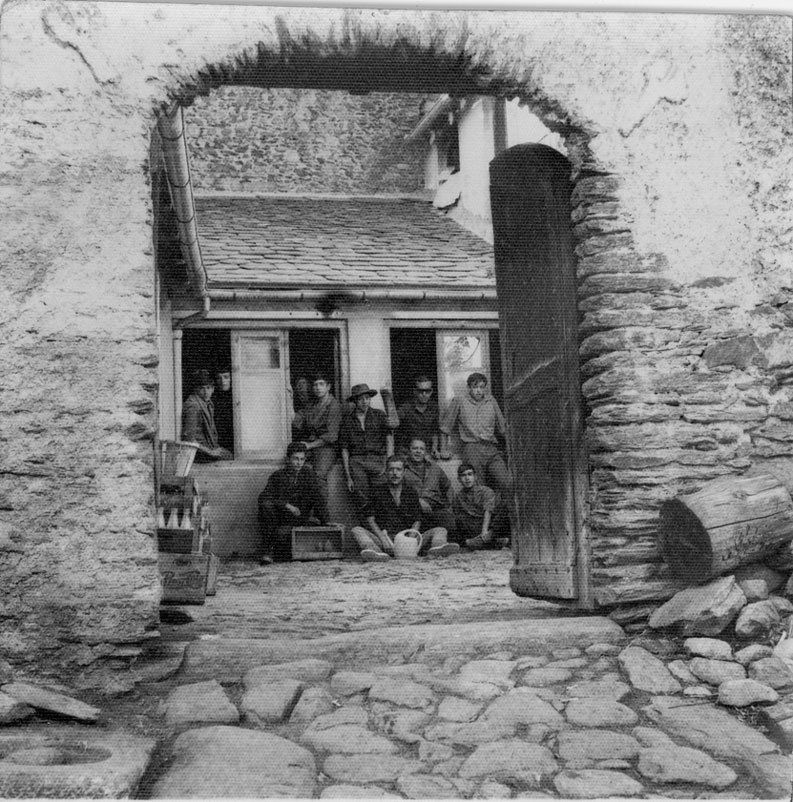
x,y
678,129
244,139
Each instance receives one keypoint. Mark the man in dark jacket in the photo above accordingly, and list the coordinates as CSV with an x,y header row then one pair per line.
x,y
317,424
292,497
198,419
392,508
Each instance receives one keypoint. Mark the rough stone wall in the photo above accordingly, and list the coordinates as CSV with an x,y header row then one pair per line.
x,y
684,332
678,128
245,139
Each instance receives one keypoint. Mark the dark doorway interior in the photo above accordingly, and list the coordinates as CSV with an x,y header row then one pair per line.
x,y
208,349
312,351
413,353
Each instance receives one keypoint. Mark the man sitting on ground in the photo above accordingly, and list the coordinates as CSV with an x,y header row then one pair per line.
x,y
432,486
393,508
477,516
292,497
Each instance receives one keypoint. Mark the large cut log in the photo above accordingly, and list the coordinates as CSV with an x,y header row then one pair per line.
x,y
733,520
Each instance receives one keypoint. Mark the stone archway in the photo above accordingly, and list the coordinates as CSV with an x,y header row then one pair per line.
x,y
82,84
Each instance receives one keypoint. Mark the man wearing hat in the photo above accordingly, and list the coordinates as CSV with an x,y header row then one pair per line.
x,y
366,438
198,419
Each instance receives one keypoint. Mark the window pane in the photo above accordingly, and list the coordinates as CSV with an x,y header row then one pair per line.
x,y
260,353
461,354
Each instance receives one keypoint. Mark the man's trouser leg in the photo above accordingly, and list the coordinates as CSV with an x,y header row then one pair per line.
x,y
323,460
478,455
499,478
500,523
366,471
470,529
467,527
268,524
435,543
369,540
443,518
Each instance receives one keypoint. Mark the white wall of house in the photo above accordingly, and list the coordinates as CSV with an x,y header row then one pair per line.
x,y
477,149
476,123
370,353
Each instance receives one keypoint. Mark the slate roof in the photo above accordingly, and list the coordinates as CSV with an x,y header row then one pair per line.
x,y
282,242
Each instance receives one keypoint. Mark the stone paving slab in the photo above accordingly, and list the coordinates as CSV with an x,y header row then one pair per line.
x,y
231,762
52,702
229,658
60,761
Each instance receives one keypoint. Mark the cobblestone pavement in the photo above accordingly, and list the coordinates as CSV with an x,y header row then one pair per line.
x,y
575,722
585,721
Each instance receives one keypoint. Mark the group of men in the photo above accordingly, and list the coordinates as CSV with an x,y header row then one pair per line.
x,y
390,469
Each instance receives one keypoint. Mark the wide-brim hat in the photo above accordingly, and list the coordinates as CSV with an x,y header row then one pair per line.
x,y
359,390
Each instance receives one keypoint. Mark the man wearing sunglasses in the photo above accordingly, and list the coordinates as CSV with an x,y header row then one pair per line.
x,y
418,419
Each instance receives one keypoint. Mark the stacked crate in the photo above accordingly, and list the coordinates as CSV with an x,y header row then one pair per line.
x,y
187,564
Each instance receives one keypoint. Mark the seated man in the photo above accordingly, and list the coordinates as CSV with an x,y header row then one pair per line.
x,y
292,497
366,438
432,486
418,419
317,424
198,419
392,508
477,517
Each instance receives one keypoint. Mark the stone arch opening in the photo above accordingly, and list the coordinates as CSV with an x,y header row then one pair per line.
x,y
361,61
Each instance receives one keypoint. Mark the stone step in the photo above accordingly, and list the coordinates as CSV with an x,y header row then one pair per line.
x,y
227,659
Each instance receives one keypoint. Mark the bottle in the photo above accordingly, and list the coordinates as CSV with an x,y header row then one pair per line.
x,y
173,520
186,522
160,517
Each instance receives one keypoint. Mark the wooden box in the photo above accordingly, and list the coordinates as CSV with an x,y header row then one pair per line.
x,y
179,541
184,577
317,542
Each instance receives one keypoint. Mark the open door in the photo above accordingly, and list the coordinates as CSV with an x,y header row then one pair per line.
x,y
530,198
259,363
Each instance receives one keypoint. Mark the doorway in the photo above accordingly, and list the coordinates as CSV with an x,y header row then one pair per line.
x,y
313,351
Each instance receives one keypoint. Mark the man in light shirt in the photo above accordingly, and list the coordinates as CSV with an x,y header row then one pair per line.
x,y
478,420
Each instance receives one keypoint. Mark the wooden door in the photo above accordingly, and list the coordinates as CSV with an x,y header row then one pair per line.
x,y
530,198
261,415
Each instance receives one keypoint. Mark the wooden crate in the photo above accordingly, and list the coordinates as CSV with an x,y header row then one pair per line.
x,y
318,542
179,541
184,577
